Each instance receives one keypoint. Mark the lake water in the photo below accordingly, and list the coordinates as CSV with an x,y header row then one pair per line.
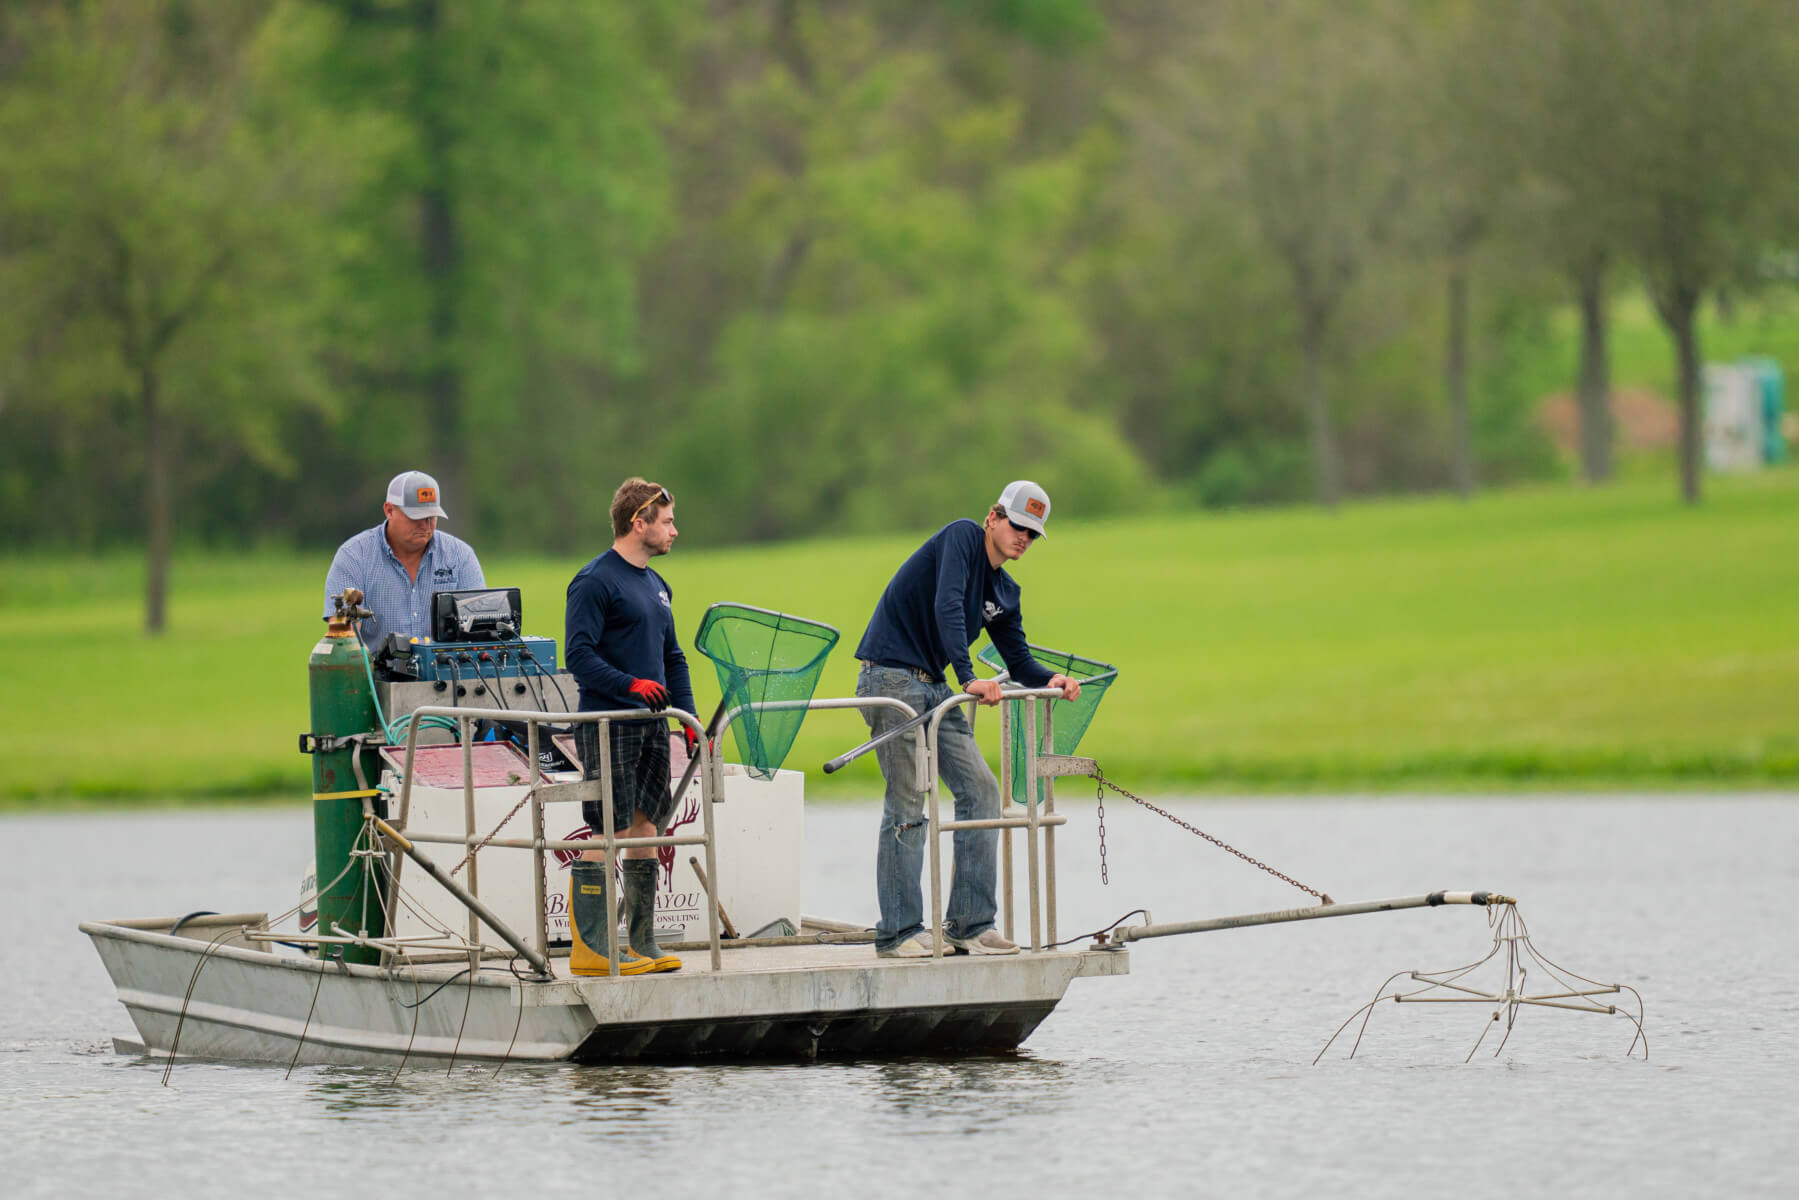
x,y
1191,1076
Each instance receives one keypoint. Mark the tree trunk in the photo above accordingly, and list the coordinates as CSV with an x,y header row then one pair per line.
x,y
438,255
157,512
1324,443
1686,343
1456,381
1594,401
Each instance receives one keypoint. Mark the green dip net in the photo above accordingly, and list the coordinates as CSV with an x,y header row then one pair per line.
x,y
764,656
1071,717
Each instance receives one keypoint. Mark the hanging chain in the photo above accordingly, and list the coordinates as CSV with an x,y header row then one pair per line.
x,y
1102,830
1105,783
482,844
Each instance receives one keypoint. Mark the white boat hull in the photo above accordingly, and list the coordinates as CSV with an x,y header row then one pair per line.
x,y
230,1002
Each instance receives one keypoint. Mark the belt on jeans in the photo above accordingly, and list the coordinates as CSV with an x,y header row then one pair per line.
x,y
914,672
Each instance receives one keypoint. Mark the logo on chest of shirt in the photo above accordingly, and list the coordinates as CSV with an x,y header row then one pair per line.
x,y
990,612
662,595
444,574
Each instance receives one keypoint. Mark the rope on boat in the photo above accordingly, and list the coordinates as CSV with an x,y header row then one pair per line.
x,y
1104,783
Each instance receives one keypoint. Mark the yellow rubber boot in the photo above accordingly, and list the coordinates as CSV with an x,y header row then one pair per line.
x,y
591,936
640,914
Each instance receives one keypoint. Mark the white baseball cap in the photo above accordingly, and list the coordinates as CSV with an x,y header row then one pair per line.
x,y
415,494
1026,504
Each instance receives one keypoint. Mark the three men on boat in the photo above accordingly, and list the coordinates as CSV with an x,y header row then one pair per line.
x,y
933,609
622,650
401,563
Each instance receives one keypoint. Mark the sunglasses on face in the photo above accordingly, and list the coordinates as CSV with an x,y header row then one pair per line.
x,y
661,497
1029,533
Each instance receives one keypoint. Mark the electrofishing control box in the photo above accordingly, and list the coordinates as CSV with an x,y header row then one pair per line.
x,y
471,662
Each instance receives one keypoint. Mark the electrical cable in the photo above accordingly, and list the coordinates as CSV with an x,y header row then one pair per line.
x,y
524,657
1103,929
204,912
440,987
494,687
554,682
393,730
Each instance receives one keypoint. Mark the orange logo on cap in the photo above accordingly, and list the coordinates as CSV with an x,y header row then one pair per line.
x,y
1034,507
429,495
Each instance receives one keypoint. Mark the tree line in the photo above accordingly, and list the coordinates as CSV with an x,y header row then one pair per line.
x,y
828,266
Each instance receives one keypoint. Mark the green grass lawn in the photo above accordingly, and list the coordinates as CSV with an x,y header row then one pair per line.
x,y
1549,637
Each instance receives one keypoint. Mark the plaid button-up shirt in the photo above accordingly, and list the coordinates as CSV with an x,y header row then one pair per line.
x,y
400,603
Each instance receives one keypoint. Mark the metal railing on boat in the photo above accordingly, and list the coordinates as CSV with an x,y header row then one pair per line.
x,y
1039,819
541,792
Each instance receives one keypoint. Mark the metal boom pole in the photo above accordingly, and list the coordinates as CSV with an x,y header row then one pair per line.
x,y
1136,933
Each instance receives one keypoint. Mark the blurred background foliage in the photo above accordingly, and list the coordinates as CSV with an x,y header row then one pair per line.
x,y
832,267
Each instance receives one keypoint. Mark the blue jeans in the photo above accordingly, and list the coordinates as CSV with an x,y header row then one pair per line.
x,y
900,853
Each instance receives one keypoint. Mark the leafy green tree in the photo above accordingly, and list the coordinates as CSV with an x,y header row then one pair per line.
x,y
1309,101
912,329
1706,134
1552,88
497,280
163,232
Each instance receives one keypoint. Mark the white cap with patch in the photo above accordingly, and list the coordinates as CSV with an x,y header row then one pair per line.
x,y
1026,504
415,494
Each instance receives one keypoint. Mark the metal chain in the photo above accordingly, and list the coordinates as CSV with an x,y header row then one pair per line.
x,y
482,844
1103,879
1105,783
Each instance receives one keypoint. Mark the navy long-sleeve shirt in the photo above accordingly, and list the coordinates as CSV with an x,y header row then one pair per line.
x,y
621,626
937,603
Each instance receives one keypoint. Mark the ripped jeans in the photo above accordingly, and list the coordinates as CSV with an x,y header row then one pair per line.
x,y
900,853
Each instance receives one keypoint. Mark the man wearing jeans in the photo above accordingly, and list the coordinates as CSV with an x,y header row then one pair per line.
x,y
932,611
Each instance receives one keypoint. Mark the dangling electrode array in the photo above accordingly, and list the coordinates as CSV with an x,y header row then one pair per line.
x,y
1514,958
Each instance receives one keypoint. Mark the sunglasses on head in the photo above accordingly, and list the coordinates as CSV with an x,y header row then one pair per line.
x,y
1029,533
661,497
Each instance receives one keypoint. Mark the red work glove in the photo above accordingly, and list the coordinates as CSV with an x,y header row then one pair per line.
x,y
693,741
653,694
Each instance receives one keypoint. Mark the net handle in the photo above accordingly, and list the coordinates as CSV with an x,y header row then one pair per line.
x,y
849,756
693,760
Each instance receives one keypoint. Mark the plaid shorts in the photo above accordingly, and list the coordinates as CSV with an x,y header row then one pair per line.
x,y
640,780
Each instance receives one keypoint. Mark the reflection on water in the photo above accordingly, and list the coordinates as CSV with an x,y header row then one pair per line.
x,y
1192,1073
983,1089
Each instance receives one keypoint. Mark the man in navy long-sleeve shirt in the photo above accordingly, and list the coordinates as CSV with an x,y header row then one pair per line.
x,y
621,648
932,611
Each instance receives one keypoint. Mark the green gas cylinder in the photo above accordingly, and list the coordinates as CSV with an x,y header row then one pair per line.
x,y
342,705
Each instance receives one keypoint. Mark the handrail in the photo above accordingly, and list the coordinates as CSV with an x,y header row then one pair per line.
x,y
857,702
1032,821
1039,816
610,842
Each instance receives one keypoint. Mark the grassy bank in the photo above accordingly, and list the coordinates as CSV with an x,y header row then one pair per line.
x,y
1552,637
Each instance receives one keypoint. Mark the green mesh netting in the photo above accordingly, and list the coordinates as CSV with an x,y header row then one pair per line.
x,y
764,656
1071,717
